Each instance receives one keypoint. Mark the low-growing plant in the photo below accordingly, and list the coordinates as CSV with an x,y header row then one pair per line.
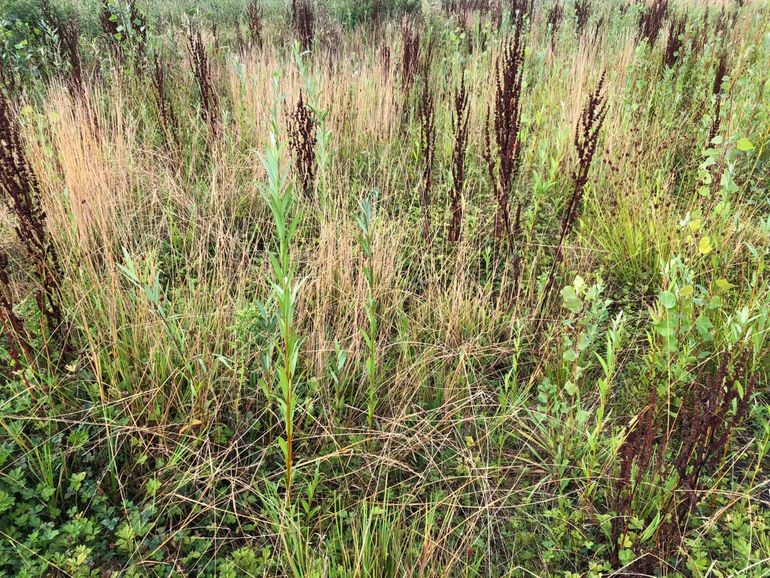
x,y
697,400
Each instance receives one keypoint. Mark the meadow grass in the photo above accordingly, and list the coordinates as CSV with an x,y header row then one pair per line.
x,y
371,289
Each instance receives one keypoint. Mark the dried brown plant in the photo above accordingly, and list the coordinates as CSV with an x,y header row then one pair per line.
x,y
302,140
460,129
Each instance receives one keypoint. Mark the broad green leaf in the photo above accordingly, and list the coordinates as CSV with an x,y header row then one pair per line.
x,y
667,299
650,530
724,284
745,145
704,246
704,326
571,300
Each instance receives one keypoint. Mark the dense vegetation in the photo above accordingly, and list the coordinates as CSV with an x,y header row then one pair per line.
x,y
377,288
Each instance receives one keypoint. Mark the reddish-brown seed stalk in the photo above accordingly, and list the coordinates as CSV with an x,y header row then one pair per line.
x,y
302,140
583,9
254,21
712,407
427,145
460,129
555,16
202,72
716,91
410,56
168,119
503,147
676,28
651,21
11,324
585,141
303,21
20,193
